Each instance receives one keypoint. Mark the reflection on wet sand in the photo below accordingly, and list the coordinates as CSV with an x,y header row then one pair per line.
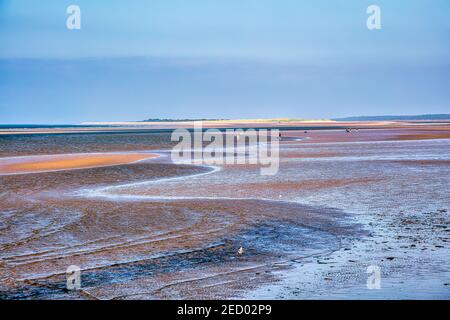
x,y
155,230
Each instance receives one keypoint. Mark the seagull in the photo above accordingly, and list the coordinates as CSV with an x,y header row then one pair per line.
x,y
240,251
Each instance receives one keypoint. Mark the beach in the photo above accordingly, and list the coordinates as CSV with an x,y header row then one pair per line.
x,y
111,201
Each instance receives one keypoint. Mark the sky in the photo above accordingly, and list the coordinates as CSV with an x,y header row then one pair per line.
x,y
139,59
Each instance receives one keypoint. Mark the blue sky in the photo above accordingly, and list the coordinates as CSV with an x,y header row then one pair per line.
x,y
134,60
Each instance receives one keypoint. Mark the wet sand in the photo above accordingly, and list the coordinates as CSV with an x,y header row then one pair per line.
x,y
32,164
340,202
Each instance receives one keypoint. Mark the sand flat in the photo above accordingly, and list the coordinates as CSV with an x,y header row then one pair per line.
x,y
333,208
33,164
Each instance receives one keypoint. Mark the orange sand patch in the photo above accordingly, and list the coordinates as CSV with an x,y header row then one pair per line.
x,y
304,155
423,136
66,162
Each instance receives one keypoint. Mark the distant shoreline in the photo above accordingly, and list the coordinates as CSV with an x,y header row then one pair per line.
x,y
221,122
211,121
429,117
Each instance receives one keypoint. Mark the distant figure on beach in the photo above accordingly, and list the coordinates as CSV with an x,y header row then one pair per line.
x,y
240,251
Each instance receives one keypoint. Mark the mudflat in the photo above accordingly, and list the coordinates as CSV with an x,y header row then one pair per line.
x,y
341,202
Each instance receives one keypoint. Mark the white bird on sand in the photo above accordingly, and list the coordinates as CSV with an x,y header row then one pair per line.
x,y
240,251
